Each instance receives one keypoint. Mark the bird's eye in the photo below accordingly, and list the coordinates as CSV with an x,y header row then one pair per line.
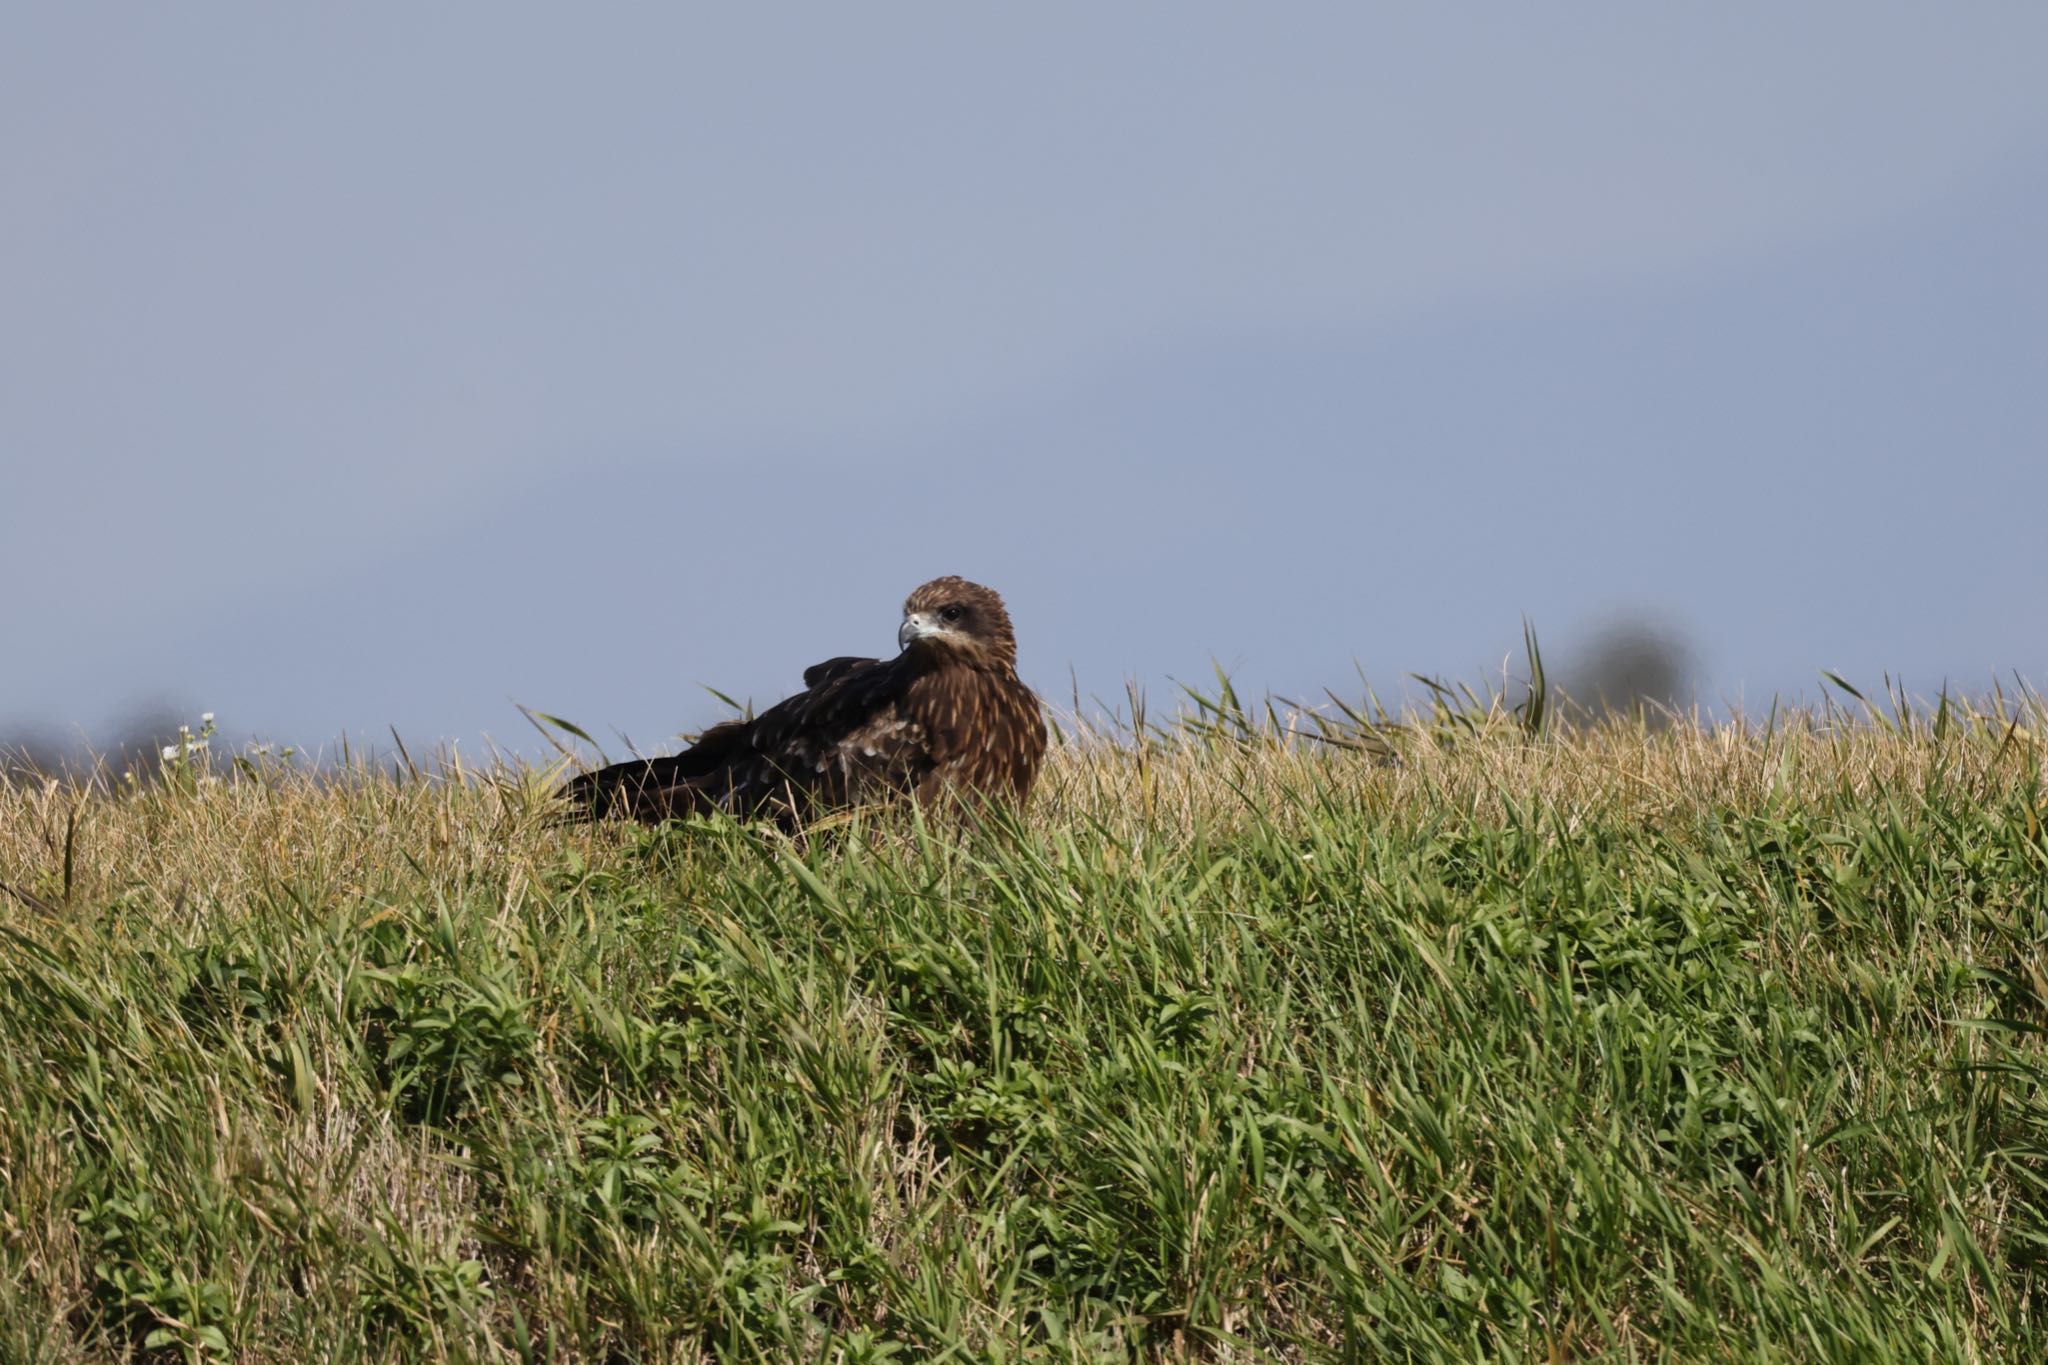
x,y
950,613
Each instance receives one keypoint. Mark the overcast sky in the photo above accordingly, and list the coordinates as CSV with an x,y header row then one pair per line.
x,y
387,365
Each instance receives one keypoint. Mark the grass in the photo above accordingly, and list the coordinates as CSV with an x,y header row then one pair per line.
x,y
1626,1042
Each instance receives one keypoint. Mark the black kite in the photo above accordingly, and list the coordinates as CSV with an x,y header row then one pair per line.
x,y
946,714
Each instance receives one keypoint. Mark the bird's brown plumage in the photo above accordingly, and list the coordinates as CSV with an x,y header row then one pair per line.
x,y
947,714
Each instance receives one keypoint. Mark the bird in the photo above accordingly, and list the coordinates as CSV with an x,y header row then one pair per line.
x,y
946,716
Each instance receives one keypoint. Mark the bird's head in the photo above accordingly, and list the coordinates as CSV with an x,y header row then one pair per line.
x,y
961,621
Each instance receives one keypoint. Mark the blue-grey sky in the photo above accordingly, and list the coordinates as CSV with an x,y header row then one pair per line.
x,y
383,365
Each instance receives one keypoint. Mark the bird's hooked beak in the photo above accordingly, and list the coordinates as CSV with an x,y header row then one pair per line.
x,y
916,626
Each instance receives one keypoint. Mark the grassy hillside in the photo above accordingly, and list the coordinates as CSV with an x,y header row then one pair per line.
x,y
1627,1044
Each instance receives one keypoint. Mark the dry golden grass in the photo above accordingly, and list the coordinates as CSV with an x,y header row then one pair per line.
x,y
209,842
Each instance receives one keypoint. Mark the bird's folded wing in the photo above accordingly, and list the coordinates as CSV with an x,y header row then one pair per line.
x,y
819,674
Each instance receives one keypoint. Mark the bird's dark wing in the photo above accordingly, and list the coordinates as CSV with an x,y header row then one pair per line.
x,y
817,675
843,734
